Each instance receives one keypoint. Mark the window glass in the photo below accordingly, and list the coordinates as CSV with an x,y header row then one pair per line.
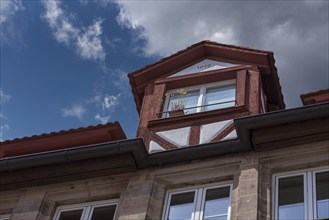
x,y
216,203
103,213
99,210
203,98
220,97
187,100
322,195
291,197
181,206
71,215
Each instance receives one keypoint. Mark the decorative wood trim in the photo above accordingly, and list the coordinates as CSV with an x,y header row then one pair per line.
x,y
241,85
190,119
194,135
224,133
162,142
201,77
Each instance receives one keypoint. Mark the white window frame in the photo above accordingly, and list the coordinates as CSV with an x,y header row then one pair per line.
x,y
202,93
88,208
309,185
199,199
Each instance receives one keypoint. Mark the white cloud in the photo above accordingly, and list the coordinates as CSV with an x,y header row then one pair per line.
x,y
110,102
89,43
59,22
3,129
4,97
83,2
9,8
76,111
85,41
297,32
102,119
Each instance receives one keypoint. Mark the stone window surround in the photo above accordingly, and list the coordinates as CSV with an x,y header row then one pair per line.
x,y
309,189
199,197
189,178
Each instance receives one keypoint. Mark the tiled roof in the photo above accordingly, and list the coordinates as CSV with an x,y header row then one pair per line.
x,y
62,139
315,97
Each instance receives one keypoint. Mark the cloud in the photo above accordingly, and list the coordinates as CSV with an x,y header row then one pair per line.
x,y
297,32
9,8
100,108
4,126
102,119
108,103
83,2
89,43
4,97
85,41
76,111
3,129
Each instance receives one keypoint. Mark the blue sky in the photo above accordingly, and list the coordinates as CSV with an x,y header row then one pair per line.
x,y
64,63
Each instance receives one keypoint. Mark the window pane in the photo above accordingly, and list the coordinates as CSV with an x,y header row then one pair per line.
x,y
217,203
181,206
187,100
291,198
322,195
103,213
216,96
71,215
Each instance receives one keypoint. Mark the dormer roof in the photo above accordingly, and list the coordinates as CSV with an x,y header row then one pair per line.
x,y
321,96
261,59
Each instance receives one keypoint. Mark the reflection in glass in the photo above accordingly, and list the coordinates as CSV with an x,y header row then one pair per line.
x,y
181,206
103,213
71,215
216,96
217,203
187,100
322,195
291,198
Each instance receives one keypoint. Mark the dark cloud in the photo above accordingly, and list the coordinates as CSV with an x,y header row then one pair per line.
x,y
297,32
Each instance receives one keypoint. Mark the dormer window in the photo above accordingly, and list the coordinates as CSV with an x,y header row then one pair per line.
x,y
200,98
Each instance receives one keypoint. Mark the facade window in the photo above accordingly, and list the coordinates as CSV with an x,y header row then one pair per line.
x,y
87,211
207,203
201,98
302,196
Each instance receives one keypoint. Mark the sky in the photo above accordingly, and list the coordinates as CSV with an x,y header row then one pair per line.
x,y
64,64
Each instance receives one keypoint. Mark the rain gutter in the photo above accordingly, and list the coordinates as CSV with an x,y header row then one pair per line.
x,y
136,147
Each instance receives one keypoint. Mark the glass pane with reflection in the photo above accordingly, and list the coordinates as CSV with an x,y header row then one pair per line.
x,y
186,100
220,97
217,203
181,206
291,198
103,213
71,215
322,195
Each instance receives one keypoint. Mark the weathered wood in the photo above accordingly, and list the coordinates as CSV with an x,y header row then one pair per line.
x,y
67,172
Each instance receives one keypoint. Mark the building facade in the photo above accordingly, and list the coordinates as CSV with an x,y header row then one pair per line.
x,y
214,141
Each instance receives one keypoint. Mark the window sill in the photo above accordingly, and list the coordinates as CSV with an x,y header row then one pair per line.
x,y
197,116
